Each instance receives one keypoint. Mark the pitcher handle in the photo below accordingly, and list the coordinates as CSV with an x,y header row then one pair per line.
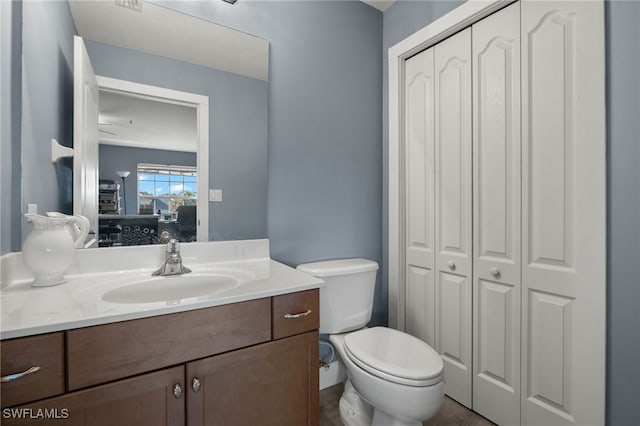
x,y
83,224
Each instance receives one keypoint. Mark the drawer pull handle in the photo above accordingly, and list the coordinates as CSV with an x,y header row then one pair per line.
x,y
300,315
13,377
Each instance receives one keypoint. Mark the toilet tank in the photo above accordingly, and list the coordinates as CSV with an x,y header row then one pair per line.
x,y
346,301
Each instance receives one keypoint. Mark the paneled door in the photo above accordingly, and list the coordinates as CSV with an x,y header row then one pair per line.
x,y
496,207
563,212
420,316
452,59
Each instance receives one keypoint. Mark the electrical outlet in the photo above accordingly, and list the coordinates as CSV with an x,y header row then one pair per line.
x,y
215,195
32,208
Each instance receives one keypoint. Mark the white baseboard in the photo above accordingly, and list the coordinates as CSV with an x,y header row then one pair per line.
x,y
333,375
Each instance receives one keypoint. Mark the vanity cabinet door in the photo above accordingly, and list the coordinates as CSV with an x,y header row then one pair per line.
x,y
151,399
275,383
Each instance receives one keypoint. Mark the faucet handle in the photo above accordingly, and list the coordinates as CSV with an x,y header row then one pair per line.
x,y
173,246
165,236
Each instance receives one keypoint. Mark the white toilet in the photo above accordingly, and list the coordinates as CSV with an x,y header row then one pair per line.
x,y
394,379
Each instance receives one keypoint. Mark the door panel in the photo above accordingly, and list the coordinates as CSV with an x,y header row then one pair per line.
x,y
495,359
452,63
452,295
563,213
419,186
420,307
496,207
549,342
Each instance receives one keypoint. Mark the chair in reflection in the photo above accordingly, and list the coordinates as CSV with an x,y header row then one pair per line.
x,y
186,223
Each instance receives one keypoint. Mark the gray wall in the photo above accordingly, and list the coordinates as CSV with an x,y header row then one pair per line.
x,y
623,205
7,95
325,108
40,99
47,106
623,210
114,158
237,130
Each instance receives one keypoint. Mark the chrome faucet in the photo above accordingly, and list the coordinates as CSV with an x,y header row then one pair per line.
x,y
172,262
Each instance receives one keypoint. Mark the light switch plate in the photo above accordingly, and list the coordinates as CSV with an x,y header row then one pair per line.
x,y
215,195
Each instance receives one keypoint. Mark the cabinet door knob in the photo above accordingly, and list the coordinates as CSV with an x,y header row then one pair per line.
x,y
494,271
16,376
177,391
451,264
300,315
195,384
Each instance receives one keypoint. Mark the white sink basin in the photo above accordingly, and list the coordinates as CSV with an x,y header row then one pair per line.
x,y
151,289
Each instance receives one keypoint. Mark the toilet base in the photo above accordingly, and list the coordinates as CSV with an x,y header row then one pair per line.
x,y
355,411
383,419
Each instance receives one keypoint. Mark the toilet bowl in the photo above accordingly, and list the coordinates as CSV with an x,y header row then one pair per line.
x,y
394,379
401,377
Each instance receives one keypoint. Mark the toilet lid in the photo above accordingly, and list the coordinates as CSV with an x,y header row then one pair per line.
x,y
394,356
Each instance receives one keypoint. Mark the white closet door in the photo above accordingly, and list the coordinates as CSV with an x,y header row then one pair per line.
x,y
563,213
496,207
453,212
419,187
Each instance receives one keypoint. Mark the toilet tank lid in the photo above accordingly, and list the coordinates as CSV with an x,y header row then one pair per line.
x,y
329,268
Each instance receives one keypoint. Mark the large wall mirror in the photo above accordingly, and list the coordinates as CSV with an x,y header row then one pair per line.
x,y
156,158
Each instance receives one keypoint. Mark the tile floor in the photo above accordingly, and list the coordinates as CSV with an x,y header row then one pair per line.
x,y
450,414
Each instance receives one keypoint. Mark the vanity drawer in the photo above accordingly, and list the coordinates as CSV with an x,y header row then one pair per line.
x,y
18,355
295,313
112,351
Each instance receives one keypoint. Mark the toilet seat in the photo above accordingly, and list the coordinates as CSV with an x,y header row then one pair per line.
x,y
394,356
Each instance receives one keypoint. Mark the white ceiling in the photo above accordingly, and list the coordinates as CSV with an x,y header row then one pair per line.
x,y
381,5
143,123
165,32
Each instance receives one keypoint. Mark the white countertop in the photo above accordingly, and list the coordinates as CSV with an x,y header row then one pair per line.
x,y
27,310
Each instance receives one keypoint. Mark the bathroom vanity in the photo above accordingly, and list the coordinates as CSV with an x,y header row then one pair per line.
x,y
243,356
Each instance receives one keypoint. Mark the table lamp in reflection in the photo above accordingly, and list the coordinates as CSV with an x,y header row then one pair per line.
x,y
123,174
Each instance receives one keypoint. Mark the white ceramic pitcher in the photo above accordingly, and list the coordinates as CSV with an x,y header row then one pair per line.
x,y
48,250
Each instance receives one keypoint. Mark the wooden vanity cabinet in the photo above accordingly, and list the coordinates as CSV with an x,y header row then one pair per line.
x,y
275,383
200,380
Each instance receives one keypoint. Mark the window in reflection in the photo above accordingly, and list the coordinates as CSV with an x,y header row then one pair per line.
x,y
162,189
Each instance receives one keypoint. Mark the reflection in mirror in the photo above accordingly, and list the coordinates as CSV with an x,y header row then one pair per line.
x,y
228,67
147,170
